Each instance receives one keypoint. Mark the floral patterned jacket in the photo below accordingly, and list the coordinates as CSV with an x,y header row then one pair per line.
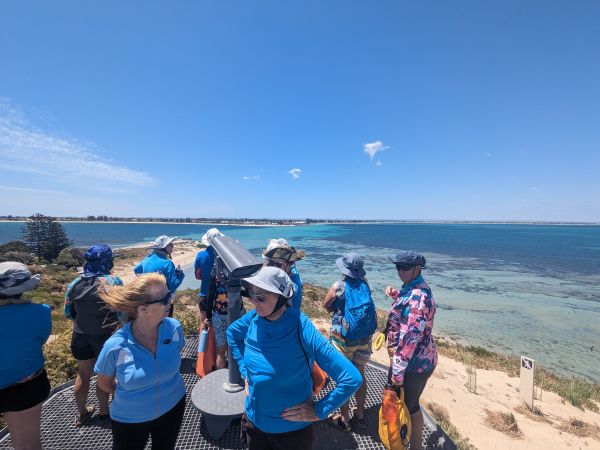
x,y
409,337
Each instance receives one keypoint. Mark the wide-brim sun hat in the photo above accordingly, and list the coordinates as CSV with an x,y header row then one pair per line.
x,y
15,279
161,242
280,249
207,237
408,259
271,279
351,264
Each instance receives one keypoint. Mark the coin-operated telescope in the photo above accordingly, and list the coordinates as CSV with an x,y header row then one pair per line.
x,y
220,395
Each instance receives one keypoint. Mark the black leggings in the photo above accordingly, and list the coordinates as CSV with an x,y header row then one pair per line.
x,y
414,384
292,440
164,431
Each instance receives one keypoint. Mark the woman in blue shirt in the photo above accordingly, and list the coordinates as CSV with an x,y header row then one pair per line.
x,y
139,365
24,329
275,346
159,260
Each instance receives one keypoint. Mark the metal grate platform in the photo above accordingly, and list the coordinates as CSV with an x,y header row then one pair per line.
x,y
58,417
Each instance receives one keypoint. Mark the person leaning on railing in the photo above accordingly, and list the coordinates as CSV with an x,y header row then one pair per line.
x,y
275,346
24,329
139,365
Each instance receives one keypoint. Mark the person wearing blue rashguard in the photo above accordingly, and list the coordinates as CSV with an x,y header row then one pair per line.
x,y
282,255
159,260
275,346
24,329
139,365
203,266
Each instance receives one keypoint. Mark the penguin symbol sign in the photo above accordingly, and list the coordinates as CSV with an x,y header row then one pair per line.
x,y
526,387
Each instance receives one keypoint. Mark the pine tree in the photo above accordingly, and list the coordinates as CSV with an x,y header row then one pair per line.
x,y
44,236
57,240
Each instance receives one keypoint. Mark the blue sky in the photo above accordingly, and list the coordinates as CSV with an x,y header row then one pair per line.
x,y
463,110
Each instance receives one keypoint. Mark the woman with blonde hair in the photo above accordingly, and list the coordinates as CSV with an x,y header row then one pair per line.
x,y
140,363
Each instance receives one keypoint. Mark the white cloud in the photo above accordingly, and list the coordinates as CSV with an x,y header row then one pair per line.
x,y
252,178
378,163
27,149
372,148
295,173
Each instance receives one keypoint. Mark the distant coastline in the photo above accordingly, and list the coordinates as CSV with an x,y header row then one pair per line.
x,y
294,222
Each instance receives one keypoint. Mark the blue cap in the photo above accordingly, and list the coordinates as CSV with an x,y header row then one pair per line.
x,y
408,258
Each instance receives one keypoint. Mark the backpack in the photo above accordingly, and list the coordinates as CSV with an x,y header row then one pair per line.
x,y
360,318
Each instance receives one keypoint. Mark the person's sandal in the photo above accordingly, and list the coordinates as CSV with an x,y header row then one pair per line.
x,y
339,423
358,424
84,419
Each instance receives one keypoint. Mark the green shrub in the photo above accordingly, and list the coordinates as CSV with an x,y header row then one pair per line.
x,y
188,318
60,364
70,257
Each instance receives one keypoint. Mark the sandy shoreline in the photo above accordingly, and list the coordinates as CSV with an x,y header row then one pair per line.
x,y
496,391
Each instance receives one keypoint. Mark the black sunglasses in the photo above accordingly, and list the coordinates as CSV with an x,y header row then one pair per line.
x,y
278,264
165,301
404,268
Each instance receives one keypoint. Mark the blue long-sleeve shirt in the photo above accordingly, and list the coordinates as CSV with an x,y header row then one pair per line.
x,y
161,264
298,285
277,367
205,260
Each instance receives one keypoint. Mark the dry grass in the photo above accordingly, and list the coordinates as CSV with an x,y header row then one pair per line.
x,y
535,414
442,418
580,428
505,422
579,392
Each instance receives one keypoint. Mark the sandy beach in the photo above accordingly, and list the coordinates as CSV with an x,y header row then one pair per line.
x,y
496,391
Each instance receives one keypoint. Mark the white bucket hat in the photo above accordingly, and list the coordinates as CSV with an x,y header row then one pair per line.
x,y
272,279
162,242
210,235
15,278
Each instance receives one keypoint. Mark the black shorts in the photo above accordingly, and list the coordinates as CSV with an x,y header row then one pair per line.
x,y
22,396
414,384
87,346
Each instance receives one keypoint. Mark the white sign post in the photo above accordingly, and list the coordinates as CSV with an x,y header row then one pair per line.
x,y
526,387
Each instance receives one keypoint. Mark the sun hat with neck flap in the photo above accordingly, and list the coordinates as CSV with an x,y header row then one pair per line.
x,y
15,279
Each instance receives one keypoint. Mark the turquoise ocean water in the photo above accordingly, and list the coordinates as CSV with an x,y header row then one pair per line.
x,y
517,289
